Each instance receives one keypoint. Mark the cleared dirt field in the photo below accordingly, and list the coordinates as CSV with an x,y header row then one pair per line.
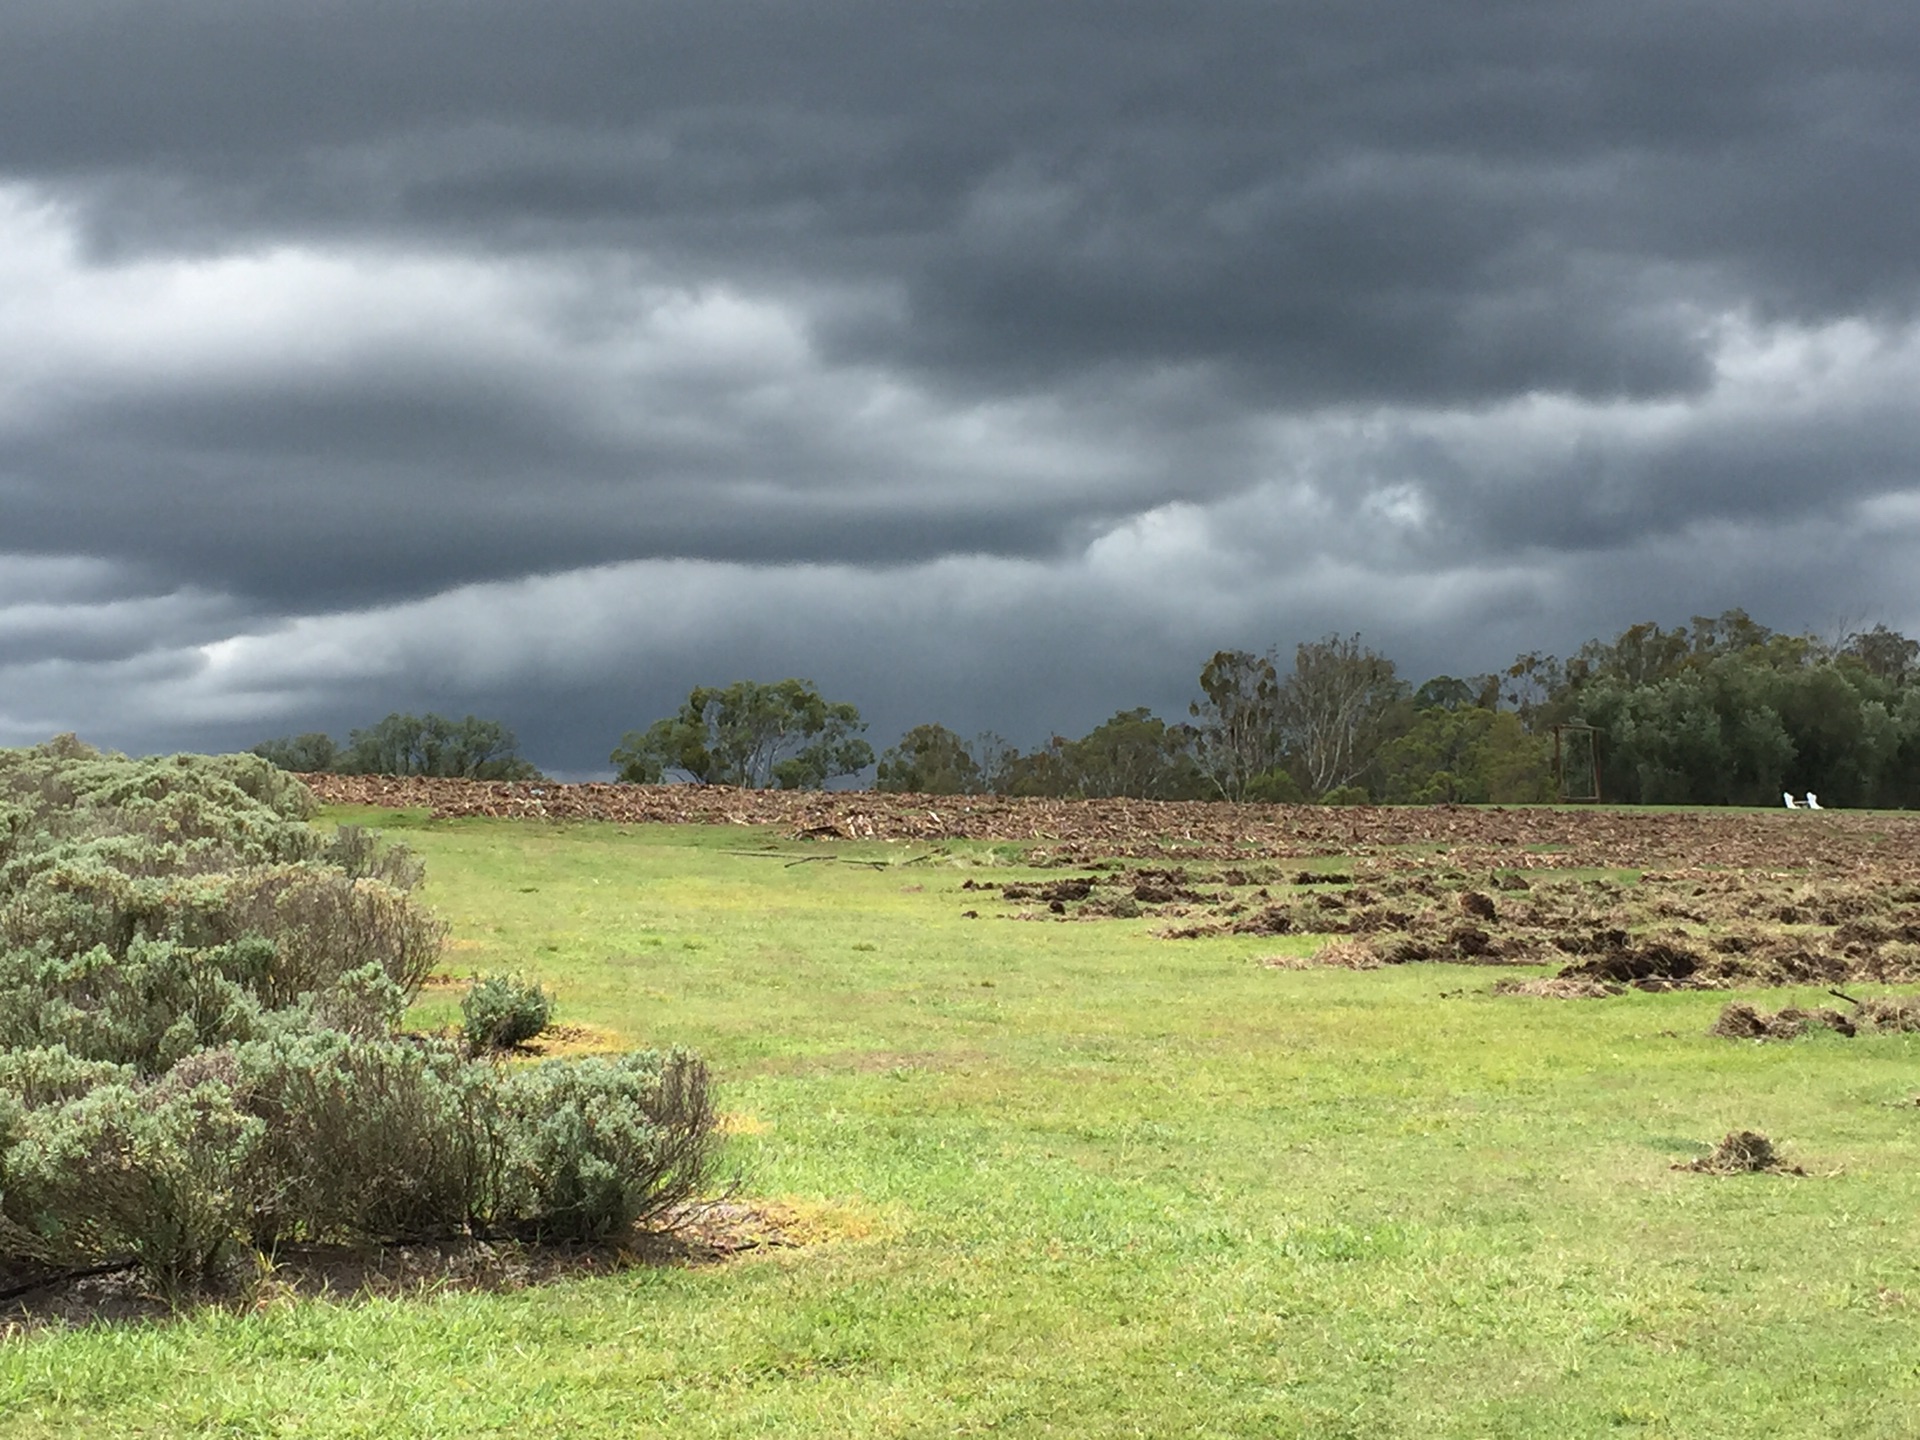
x,y
1645,898
1529,837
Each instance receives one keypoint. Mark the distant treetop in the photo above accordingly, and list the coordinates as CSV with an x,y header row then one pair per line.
x,y
469,749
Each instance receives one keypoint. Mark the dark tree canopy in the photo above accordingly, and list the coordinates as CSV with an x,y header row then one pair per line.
x,y
469,748
310,754
1236,733
1719,710
929,760
1134,754
751,735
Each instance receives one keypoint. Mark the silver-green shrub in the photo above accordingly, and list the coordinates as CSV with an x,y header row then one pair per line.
x,y
502,1011
590,1147
199,1000
158,1174
381,1139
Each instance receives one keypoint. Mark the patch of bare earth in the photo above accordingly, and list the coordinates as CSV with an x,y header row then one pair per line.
x,y
701,1234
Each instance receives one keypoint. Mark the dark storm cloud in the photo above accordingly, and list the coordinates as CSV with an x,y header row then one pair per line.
x,y
1367,200
1104,333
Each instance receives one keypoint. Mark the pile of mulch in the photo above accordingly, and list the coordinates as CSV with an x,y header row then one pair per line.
x,y
1742,1152
1077,831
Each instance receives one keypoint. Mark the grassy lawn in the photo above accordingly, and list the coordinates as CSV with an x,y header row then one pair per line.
x,y
1071,1179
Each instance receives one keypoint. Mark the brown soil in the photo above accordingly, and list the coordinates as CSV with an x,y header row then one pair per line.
x,y
1742,1152
1076,831
705,1234
1740,1021
1890,1013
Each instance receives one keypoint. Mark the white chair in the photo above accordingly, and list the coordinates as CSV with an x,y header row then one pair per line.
x,y
1792,804
1813,801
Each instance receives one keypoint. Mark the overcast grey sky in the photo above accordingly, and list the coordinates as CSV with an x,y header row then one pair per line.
x,y
987,362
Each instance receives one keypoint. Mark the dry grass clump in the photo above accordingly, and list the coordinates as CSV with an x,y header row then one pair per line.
x,y
1560,987
1742,1152
1336,955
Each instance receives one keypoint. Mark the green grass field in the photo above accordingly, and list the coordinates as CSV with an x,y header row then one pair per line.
x,y
1074,1180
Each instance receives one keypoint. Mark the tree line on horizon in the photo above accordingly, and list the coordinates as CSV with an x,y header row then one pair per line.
x,y
1722,710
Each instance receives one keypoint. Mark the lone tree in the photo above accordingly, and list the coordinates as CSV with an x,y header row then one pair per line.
x,y
929,760
1237,726
751,735
1337,709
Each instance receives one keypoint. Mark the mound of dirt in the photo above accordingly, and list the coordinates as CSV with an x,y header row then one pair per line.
x,y
1623,962
1055,892
1895,1013
1742,1152
1477,906
1404,950
1741,1021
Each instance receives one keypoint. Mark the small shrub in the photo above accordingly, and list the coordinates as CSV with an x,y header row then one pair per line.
x,y
147,1009
365,1138
1275,787
157,1174
365,1003
325,924
591,1147
52,1075
363,855
503,1011
198,1000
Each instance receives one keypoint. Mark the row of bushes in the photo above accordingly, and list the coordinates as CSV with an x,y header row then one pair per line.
x,y
318,1135
200,1001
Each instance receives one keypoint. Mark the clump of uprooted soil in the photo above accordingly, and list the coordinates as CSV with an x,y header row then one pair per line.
x,y
1892,1013
1667,930
1676,929
1741,1021
1742,1152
